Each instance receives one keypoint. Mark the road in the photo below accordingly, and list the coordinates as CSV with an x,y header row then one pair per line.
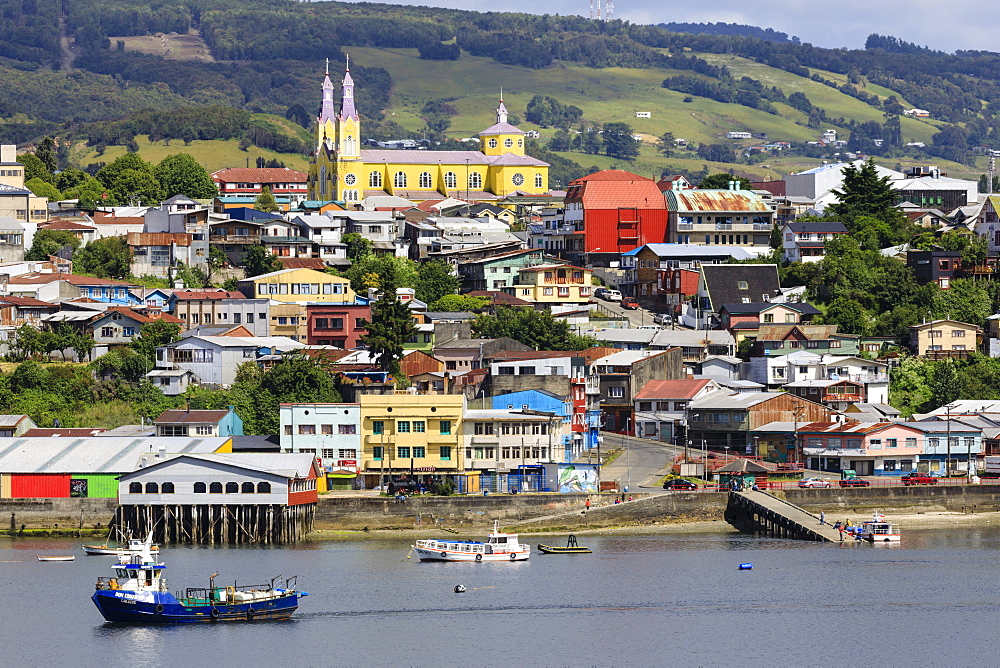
x,y
637,317
644,461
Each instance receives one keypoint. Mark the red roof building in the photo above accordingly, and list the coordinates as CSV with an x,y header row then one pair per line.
x,y
251,181
614,212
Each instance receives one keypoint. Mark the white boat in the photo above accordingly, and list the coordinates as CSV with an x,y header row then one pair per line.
x,y
42,558
134,546
877,530
499,546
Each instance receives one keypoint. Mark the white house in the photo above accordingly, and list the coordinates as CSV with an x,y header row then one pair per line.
x,y
331,433
806,242
502,439
214,359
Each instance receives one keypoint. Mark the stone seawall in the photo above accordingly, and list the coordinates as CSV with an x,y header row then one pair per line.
x,y
538,512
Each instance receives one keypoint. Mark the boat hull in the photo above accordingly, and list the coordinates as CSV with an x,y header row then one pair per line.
x,y
164,608
881,538
549,549
101,551
425,554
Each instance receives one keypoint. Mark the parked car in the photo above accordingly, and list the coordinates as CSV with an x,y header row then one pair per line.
x,y
613,296
919,479
814,482
855,482
680,484
663,319
601,293
629,303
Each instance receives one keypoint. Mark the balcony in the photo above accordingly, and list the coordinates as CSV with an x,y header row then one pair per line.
x,y
233,238
723,226
685,227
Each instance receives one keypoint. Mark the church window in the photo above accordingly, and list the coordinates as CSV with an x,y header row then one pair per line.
x,y
350,179
322,180
375,180
539,182
475,181
450,180
508,142
518,179
350,146
520,143
350,195
399,180
493,143
425,180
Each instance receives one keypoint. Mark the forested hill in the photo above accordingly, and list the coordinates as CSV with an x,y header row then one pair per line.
x,y
262,56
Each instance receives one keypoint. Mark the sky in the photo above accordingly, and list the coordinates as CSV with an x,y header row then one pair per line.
x,y
960,24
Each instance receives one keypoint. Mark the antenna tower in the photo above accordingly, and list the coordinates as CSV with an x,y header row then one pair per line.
x,y
993,164
609,8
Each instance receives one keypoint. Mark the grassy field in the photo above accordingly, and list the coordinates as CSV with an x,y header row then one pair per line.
x,y
171,46
214,155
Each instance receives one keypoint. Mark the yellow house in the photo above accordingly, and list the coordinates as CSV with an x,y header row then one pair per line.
x,y
408,432
944,338
289,319
17,201
299,285
552,284
341,171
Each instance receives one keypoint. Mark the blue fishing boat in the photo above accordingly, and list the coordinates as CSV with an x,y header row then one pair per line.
x,y
138,594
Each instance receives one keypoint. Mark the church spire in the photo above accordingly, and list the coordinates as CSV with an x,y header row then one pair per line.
x,y
327,111
501,110
347,110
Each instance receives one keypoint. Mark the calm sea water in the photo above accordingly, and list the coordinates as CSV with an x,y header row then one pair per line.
x,y
639,600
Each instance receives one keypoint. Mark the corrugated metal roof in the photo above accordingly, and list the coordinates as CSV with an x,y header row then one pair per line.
x,y
260,175
97,454
159,239
284,464
671,389
411,157
180,415
715,200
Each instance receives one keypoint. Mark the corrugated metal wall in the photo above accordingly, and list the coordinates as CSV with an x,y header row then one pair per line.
x,y
100,485
602,231
39,485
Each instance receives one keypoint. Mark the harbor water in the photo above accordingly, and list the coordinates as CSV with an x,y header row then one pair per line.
x,y
643,600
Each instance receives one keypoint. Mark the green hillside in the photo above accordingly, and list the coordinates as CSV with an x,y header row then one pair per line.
x,y
214,155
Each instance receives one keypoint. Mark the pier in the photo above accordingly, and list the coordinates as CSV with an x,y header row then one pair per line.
x,y
222,524
760,513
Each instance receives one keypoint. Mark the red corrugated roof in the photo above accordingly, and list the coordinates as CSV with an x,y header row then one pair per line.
x,y
611,175
159,239
208,294
302,263
615,189
36,278
260,175
671,389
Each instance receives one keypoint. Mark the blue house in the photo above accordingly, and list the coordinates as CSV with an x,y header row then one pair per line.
x,y
966,444
151,297
181,422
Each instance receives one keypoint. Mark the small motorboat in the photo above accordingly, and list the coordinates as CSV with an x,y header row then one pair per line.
x,y
54,558
877,530
572,547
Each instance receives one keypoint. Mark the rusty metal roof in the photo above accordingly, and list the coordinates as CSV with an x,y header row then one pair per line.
x,y
159,239
715,200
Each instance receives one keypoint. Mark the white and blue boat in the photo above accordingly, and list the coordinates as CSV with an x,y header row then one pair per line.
x,y
138,594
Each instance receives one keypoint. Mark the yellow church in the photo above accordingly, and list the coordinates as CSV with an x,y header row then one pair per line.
x,y
341,171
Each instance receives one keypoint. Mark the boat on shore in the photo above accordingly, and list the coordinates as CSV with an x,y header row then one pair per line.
x,y
138,594
877,530
572,547
499,546
54,558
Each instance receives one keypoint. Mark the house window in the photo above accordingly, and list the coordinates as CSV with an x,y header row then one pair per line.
x,y
128,331
419,452
232,488
377,453
875,444
199,488
616,392
768,317
403,427
215,488
167,488
403,452
346,429
307,430
957,333
203,430
911,442
247,488
889,465
645,405
107,332
135,488
742,285
418,426
445,452
445,427
892,442
539,181
263,488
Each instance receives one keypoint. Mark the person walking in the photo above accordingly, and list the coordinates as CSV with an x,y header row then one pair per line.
x,y
588,503
822,517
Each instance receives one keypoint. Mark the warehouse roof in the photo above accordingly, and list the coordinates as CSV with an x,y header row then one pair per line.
x,y
96,454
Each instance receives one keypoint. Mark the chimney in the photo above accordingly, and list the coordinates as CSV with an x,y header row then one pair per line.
x,y
187,405
8,153
161,452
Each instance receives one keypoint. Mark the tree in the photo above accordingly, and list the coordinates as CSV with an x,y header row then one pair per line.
x,y
774,240
181,174
357,246
382,272
265,201
44,189
850,317
130,178
390,326
151,336
89,192
716,152
110,257
70,178
257,260
965,300
435,279
216,260
50,242
459,303
34,168
721,181
667,144
123,364
619,141
192,277
537,329
46,152
865,193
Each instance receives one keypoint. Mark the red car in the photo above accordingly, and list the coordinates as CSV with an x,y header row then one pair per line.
x,y
629,302
919,479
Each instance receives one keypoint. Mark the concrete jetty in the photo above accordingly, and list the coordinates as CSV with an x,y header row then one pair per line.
x,y
763,514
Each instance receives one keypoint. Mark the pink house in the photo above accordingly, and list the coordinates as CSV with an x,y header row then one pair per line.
x,y
880,448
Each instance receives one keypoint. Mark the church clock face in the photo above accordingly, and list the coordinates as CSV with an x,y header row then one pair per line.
x,y
518,179
350,179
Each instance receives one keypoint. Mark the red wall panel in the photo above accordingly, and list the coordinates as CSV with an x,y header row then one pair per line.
x,y
39,485
601,230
